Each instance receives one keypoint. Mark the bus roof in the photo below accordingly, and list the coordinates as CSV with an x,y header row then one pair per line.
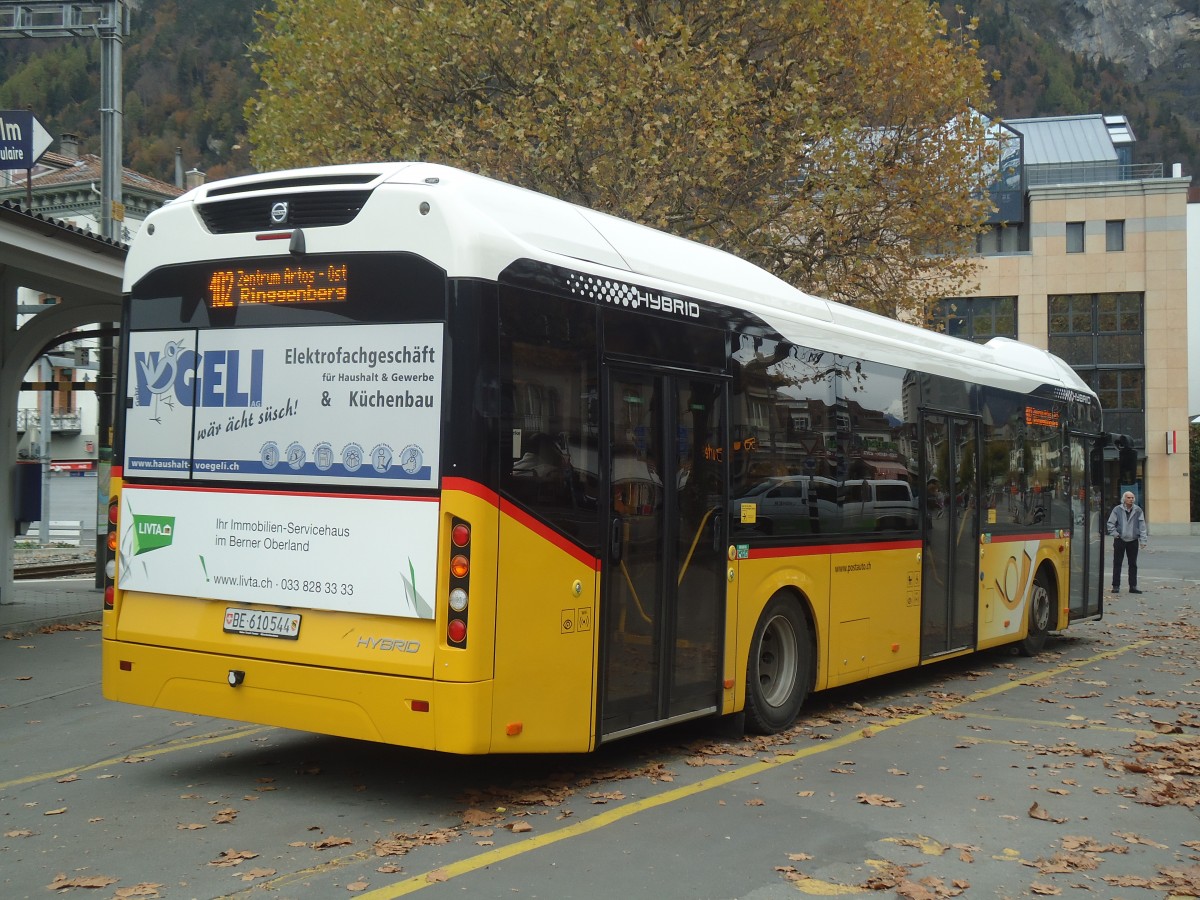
x,y
480,226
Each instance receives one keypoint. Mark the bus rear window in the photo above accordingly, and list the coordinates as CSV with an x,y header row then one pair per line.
x,y
344,404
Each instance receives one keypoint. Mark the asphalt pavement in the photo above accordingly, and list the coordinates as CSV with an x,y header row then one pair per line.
x,y
1074,773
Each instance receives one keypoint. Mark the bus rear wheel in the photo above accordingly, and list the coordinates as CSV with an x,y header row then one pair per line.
x,y
1041,604
779,671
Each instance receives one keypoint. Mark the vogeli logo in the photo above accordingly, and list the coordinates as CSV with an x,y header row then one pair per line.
x,y
152,533
222,378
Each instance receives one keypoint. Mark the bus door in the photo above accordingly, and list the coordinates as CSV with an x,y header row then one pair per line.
x,y
664,587
950,555
1087,532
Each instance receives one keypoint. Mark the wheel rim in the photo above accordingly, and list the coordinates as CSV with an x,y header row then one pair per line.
x,y
1040,618
778,659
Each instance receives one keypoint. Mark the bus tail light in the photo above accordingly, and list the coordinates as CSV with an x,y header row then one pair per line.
x,y
111,539
458,596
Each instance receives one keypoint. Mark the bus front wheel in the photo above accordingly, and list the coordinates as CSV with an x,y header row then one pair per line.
x,y
779,671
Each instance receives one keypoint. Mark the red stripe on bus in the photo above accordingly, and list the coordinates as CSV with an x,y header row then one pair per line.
x,y
1009,538
547,534
269,493
822,549
475,489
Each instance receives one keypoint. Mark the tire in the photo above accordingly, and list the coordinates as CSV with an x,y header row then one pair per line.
x,y
779,671
1041,606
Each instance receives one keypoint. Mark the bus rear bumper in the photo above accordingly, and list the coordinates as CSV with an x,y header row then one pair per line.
x,y
409,712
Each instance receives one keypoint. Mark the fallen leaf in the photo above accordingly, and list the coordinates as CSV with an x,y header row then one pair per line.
x,y
1131,838
878,800
252,874
475,817
519,827
331,842
225,816
18,834
62,883
232,857
358,885
1036,812
756,801
55,812
191,826
436,876
1044,890
598,797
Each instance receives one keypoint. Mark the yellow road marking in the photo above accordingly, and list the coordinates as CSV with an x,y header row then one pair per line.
x,y
1049,723
609,817
171,747
816,888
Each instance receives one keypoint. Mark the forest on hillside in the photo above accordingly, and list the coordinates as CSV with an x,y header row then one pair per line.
x,y
188,76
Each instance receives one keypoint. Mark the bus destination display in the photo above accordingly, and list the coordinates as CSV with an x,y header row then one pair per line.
x,y
284,285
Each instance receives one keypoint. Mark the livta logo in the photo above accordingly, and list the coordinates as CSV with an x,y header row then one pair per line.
x,y
152,533
222,378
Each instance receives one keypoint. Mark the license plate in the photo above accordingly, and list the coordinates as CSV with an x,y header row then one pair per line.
x,y
262,624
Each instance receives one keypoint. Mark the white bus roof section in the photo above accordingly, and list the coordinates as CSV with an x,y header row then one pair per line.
x,y
477,227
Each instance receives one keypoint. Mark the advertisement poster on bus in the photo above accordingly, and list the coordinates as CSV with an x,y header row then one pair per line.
x,y
364,554
343,404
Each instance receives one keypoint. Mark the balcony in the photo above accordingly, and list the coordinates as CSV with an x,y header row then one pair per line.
x,y
1089,173
60,422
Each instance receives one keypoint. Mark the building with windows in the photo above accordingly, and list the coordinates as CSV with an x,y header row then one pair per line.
x,y
1193,214
1087,257
63,187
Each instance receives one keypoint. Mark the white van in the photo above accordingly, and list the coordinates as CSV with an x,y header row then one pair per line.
x,y
803,504
879,505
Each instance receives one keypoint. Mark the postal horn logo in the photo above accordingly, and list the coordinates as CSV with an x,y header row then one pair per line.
x,y
152,533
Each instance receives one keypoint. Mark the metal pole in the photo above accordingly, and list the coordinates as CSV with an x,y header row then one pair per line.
x,y
105,393
111,40
44,432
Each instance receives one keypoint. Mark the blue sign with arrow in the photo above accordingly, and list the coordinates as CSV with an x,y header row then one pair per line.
x,y
22,139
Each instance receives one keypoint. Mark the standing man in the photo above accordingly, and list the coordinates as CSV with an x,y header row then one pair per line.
x,y
1127,525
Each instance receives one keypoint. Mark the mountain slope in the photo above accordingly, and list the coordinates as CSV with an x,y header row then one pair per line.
x,y
187,75
1069,57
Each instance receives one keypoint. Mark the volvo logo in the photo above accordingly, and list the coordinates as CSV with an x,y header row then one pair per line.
x,y
279,213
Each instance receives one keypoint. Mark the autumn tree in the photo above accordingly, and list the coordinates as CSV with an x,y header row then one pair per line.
x,y
828,141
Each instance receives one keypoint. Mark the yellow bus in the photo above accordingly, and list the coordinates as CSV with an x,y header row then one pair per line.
x,y
410,455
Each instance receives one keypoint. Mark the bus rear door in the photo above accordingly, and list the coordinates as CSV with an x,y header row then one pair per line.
x,y
1087,533
950,564
664,590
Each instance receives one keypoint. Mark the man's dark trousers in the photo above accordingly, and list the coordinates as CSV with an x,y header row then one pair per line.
x,y
1121,550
